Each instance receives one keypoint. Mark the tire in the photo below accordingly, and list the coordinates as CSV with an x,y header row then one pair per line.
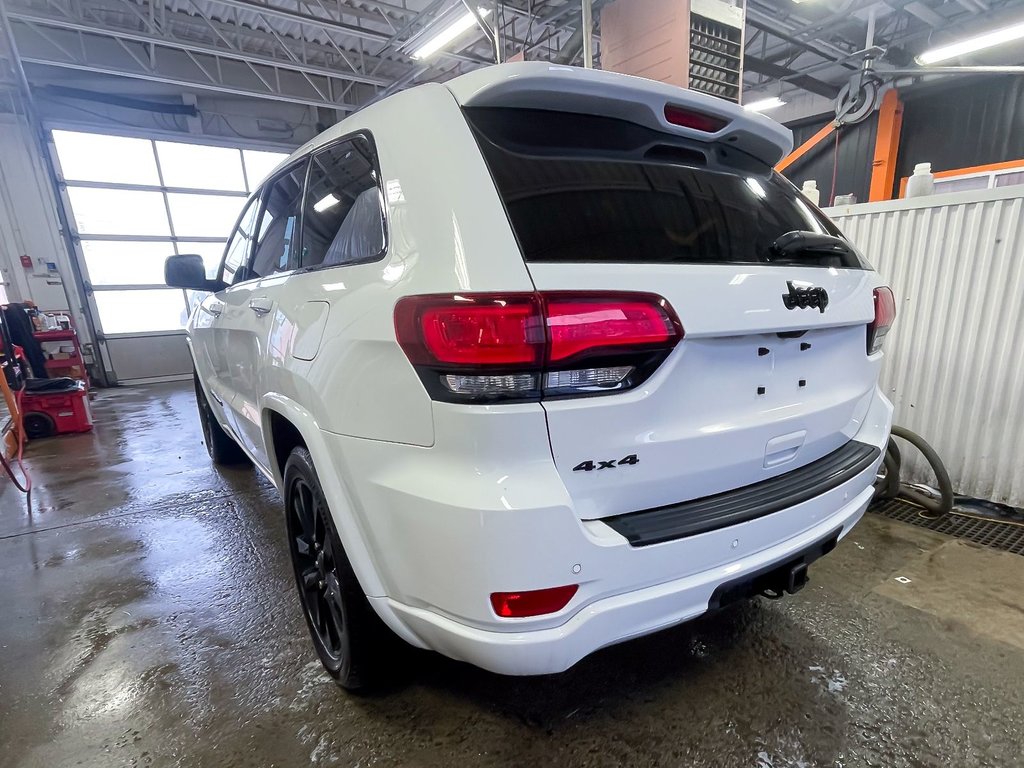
x,y
355,647
37,425
220,445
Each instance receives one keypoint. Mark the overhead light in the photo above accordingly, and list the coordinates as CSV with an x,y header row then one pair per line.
x,y
763,105
972,44
445,36
324,203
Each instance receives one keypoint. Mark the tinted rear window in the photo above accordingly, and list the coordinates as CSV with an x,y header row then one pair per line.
x,y
580,188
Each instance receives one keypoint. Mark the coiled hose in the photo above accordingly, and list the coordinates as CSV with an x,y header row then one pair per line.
x,y
889,486
14,406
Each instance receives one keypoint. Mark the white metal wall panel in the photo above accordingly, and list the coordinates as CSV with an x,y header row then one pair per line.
x,y
955,358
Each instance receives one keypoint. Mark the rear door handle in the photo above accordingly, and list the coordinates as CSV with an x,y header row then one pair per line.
x,y
261,305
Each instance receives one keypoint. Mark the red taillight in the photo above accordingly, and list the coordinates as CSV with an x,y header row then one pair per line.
x,y
885,315
482,330
698,121
579,325
533,603
527,345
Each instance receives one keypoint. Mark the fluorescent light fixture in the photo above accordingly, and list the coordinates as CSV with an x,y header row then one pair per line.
x,y
324,203
972,44
445,36
764,105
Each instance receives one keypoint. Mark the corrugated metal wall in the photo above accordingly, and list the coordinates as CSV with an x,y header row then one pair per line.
x,y
955,358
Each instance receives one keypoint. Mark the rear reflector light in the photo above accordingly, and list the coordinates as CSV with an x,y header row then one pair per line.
x,y
698,121
885,315
510,384
534,603
587,378
485,346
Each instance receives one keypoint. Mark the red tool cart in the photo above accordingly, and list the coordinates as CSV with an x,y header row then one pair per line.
x,y
60,404
63,350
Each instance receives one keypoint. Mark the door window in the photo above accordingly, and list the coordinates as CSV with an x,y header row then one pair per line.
x,y
277,242
237,252
343,215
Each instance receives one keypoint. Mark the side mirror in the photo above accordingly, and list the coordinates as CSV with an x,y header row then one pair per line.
x,y
188,271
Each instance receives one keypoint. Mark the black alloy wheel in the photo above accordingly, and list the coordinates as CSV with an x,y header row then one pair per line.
x,y
316,572
354,645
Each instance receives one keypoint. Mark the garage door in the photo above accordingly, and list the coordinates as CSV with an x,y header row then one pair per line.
x,y
132,202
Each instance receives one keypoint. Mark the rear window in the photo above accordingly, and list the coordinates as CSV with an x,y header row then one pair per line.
x,y
582,188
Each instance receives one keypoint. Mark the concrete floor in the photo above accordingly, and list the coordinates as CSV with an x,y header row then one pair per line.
x,y
148,618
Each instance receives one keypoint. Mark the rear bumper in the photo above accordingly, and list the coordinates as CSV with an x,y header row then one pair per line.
x,y
445,533
609,621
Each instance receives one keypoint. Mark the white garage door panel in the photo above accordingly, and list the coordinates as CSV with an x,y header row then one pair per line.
x,y
138,359
133,202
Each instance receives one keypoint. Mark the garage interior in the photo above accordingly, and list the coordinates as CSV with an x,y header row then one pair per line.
x,y
148,614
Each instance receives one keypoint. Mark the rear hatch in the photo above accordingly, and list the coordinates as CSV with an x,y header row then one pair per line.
x,y
772,372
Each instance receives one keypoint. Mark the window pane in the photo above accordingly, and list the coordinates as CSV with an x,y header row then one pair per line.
x,y
133,311
576,190
238,249
1010,179
200,167
126,263
344,222
211,253
961,184
203,215
118,212
92,157
275,246
258,165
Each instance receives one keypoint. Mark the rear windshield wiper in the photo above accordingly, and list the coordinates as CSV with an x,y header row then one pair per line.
x,y
800,245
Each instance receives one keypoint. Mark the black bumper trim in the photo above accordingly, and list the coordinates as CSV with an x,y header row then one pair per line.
x,y
689,518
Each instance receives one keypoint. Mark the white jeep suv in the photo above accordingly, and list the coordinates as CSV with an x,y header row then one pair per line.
x,y
541,359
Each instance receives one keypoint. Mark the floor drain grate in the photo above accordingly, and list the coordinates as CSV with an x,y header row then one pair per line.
x,y
1007,536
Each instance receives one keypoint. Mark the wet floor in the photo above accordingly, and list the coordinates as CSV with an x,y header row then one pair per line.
x,y
147,617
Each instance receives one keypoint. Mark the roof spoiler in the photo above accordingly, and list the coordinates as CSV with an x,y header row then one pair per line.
x,y
666,108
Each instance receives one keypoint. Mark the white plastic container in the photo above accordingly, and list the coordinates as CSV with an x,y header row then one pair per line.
x,y
810,191
922,183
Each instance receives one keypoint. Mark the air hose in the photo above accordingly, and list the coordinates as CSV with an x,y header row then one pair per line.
x,y
889,486
14,406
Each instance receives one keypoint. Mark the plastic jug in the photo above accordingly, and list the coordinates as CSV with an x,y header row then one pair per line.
x,y
810,191
922,183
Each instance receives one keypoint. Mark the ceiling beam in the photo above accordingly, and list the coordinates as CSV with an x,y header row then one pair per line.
x,y
777,71
820,48
68,49
301,18
167,40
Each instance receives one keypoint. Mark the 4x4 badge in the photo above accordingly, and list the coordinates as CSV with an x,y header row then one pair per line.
x,y
805,297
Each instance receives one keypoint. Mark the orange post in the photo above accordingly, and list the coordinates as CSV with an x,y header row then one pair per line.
x,y
806,147
887,145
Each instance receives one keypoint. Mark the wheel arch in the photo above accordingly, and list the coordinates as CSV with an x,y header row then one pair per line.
x,y
287,425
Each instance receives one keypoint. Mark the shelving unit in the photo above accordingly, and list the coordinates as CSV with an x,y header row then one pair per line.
x,y
72,366
716,49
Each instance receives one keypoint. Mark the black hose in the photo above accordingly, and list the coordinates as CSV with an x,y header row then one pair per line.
x,y
888,486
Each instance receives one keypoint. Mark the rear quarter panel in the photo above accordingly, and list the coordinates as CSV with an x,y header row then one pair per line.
x,y
446,232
